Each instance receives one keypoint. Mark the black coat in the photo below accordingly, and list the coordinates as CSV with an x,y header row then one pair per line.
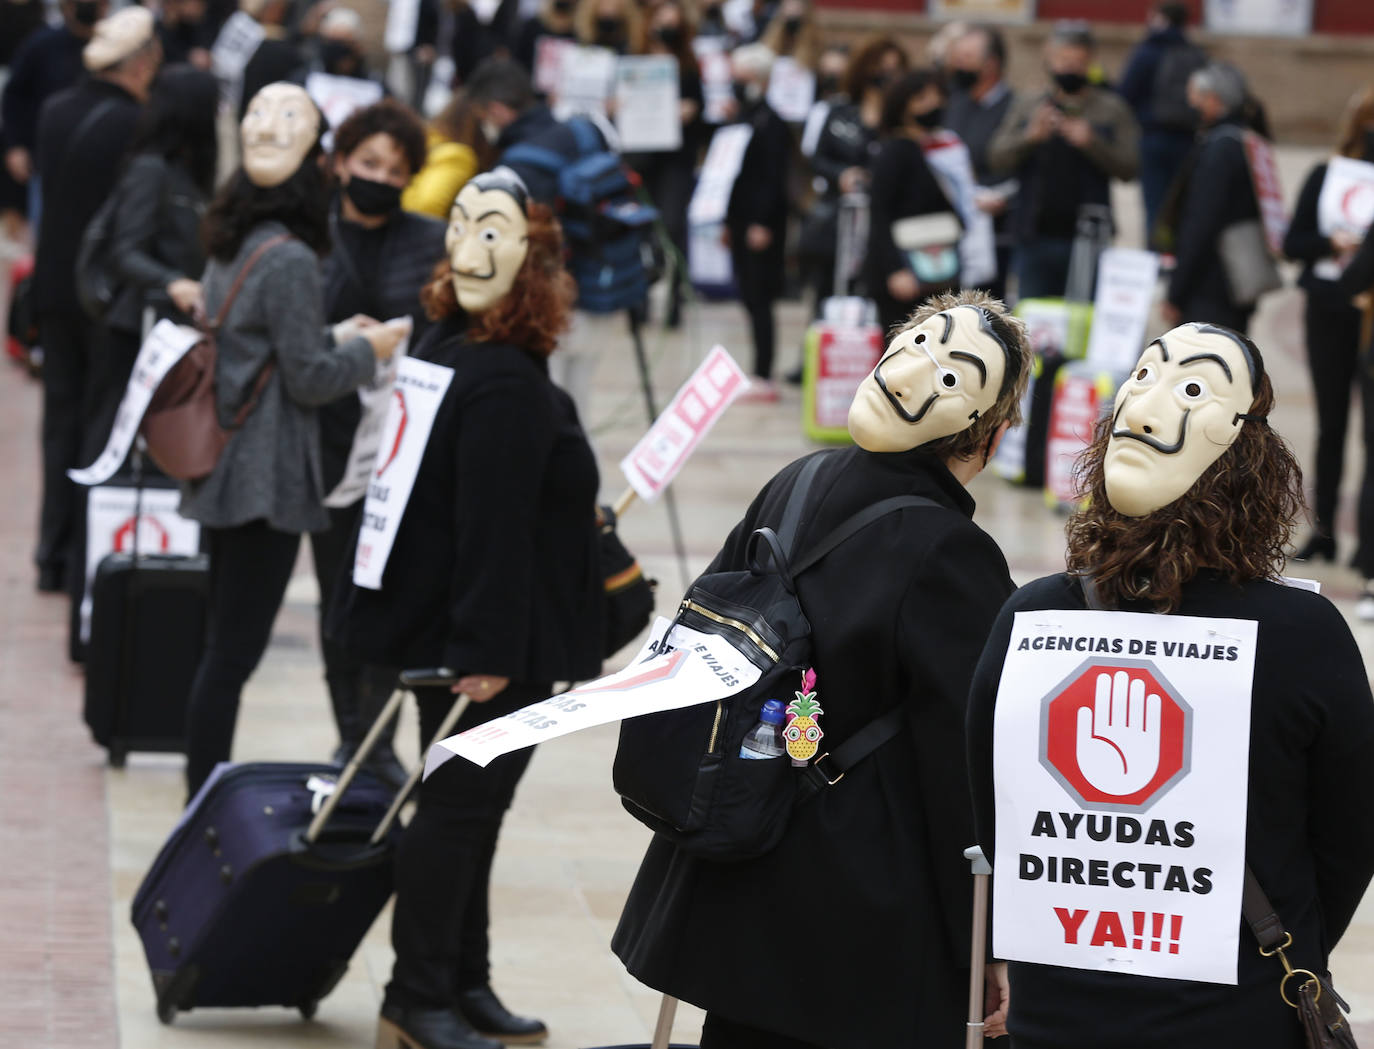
x,y
154,239
854,931
78,174
494,568
48,61
759,197
1309,834
383,280
1305,243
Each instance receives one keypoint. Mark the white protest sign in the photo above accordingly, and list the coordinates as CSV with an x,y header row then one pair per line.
x,y
1264,174
1121,754
549,52
791,90
655,460
714,61
339,96
414,402
375,398
691,668
952,165
402,22
166,344
114,522
586,77
711,199
648,115
1126,279
1345,205
233,47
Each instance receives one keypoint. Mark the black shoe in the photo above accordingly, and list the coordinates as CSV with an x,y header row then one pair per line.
x,y
344,752
1318,546
794,377
399,1028
52,580
486,1013
386,766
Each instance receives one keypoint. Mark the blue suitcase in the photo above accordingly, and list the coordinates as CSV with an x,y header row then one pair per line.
x,y
271,878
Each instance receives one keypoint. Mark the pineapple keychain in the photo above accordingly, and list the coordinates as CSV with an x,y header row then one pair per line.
x,y
803,734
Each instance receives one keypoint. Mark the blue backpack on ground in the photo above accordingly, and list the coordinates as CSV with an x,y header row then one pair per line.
x,y
606,225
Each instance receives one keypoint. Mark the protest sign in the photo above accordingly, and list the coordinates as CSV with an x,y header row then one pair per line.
x,y
952,165
714,61
683,669
375,399
339,96
648,114
1121,755
1082,391
166,344
414,402
236,43
1264,174
402,23
549,52
791,89
586,78
1345,205
1126,279
655,460
838,358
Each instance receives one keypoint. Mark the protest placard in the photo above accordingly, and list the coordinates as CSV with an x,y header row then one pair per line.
x,y
791,89
375,399
648,116
1126,279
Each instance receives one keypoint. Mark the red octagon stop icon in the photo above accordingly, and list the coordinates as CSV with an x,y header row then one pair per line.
x,y
1116,735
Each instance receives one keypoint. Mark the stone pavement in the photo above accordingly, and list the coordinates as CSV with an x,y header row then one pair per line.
x,y
76,837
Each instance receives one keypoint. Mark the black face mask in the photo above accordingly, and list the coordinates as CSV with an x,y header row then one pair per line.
x,y
964,79
373,198
86,12
564,7
827,85
1369,144
792,26
1070,83
929,119
741,92
670,36
609,30
340,59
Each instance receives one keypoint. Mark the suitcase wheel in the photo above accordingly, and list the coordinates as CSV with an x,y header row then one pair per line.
x,y
118,755
166,1010
308,1009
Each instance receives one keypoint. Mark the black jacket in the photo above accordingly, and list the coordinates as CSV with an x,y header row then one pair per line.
x,y
854,931
845,142
537,126
155,238
976,123
494,569
383,281
78,174
1309,834
48,61
759,195
1304,243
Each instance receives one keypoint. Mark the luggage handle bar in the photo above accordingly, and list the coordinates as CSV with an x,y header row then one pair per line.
x,y
982,870
663,1030
410,679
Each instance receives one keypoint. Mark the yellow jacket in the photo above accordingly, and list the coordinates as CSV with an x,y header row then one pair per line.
x,y
448,165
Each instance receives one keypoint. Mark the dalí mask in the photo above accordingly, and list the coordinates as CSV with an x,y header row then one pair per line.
x,y
280,128
487,239
934,381
1181,409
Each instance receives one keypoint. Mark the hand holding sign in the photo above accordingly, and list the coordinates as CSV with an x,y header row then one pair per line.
x,y
1118,740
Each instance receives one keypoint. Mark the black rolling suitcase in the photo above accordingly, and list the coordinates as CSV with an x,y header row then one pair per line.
x,y
272,877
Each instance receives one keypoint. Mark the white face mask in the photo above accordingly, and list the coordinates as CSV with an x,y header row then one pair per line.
x,y
490,131
487,241
934,381
279,129
1174,418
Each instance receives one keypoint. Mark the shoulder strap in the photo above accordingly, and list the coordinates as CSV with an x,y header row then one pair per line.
x,y
1260,915
89,121
796,500
259,384
547,160
848,528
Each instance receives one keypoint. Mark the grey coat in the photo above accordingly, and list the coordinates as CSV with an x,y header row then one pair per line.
x,y
271,468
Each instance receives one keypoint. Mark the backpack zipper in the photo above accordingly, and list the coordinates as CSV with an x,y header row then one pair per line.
x,y
715,726
735,624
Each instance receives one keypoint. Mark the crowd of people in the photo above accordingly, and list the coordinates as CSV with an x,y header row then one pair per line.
x,y
314,251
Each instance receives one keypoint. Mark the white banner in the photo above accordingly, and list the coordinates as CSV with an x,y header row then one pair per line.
x,y
402,22
714,60
648,113
949,159
375,398
1121,756
691,668
166,344
1267,17
114,522
791,90
660,454
711,198
586,78
1126,279
234,46
1346,205
414,402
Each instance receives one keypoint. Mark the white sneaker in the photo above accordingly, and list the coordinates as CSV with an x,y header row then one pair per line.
x,y
1364,607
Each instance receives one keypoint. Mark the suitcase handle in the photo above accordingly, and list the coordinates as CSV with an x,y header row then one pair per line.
x,y
410,679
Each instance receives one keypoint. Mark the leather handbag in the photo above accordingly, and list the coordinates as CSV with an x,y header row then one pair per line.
x,y
181,426
1321,1010
1250,269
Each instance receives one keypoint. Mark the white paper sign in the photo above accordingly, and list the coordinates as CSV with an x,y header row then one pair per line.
x,y
1126,279
402,22
549,52
1121,757
375,398
1270,17
716,92
340,96
648,114
692,668
1346,205
952,165
711,198
586,77
111,528
791,90
166,344
660,454
414,402
235,45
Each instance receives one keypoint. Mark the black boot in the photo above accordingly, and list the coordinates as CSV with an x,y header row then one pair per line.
x,y
485,1012
400,1028
1318,546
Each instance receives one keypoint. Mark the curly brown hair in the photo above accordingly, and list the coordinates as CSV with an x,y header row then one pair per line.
x,y
1010,332
1235,520
539,306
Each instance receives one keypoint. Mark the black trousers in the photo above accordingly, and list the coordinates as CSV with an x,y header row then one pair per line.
x,y
1333,352
1210,311
357,690
250,566
66,338
443,868
720,1033
1364,554
758,276
669,179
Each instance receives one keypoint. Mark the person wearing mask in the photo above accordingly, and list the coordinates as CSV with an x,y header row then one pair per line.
x,y
1215,192
979,100
792,33
1155,83
18,21
274,350
903,186
614,24
82,132
712,24
278,58
455,150
48,61
669,177
1064,145
340,44
494,573
379,259
1331,326
482,32
553,20
756,217
187,33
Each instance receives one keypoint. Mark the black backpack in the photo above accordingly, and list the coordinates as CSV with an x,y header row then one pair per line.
x,y
1169,96
679,772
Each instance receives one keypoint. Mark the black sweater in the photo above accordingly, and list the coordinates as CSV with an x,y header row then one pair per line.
x,y
1309,835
